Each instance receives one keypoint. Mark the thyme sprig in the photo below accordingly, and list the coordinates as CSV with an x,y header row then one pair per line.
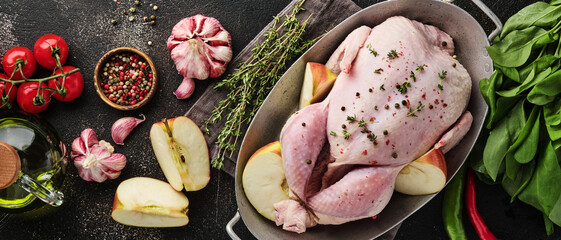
x,y
403,87
254,78
442,76
412,112
371,49
361,123
392,54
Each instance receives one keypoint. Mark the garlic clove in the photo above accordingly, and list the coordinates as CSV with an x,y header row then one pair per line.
x,y
122,128
115,162
99,152
112,174
89,137
78,147
185,89
97,174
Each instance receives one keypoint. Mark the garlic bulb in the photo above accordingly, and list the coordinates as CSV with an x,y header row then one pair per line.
x,y
200,48
95,159
123,127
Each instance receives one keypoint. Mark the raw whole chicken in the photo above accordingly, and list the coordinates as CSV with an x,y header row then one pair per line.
x,y
398,93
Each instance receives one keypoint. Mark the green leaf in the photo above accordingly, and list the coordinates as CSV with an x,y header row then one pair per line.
x,y
556,144
555,214
544,189
501,138
549,227
542,66
497,109
528,83
545,91
552,113
487,88
539,65
526,130
515,48
554,132
527,150
515,186
555,2
510,72
503,106
538,14
511,166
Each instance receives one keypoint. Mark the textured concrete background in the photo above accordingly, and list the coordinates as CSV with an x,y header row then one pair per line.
x,y
86,28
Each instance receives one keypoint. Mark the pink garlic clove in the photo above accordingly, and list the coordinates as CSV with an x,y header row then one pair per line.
x,y
190,59
185,89
123,127
99,152
89,137
115,162
113,174
78,147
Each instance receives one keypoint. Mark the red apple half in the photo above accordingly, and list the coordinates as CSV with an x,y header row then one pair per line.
x,y
182,152
318,81
426,175
148,202
263,179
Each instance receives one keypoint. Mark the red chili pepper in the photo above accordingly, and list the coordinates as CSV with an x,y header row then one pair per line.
x,y
474,217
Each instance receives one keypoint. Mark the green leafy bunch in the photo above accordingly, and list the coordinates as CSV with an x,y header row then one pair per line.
x,y
520,147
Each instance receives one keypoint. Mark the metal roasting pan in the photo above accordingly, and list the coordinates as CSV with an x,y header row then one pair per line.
x,y
470,41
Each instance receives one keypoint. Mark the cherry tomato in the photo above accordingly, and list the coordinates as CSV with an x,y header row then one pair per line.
x,y
26,94
73,84
46,46
28,62
6,92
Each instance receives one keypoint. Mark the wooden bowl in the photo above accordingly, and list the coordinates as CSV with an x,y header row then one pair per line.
x,y
99,71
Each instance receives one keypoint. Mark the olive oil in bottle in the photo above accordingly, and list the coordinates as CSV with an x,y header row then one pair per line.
x,y
43,158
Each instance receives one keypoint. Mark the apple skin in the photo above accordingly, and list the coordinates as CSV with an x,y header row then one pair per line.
x,y
425,175
148,202
318,81
264,181
274,147
183,157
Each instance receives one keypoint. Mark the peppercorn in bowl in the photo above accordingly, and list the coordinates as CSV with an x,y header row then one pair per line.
x,y
125,78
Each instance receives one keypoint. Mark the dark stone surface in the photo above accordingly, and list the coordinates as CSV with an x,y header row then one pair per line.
x,y
86,212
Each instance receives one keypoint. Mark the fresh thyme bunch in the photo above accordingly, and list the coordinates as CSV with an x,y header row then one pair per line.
x,y
253,79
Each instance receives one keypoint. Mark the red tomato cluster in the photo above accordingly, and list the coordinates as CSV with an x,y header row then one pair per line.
x,y
19,63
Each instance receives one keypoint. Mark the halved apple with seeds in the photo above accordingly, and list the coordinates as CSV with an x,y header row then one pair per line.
x,y
263,179
148,202
182,152
318,81
426,175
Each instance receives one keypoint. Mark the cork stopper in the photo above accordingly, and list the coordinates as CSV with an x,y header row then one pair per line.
x,y
10,165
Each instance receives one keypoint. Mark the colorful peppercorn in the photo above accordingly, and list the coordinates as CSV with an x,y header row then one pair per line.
x,y
127,78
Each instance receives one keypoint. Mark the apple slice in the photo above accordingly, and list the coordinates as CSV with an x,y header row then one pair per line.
x,y
182,153
263,179
148,202
318,81
426,175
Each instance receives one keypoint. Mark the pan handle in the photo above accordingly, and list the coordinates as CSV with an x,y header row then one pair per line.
x,y
492,16
230,226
